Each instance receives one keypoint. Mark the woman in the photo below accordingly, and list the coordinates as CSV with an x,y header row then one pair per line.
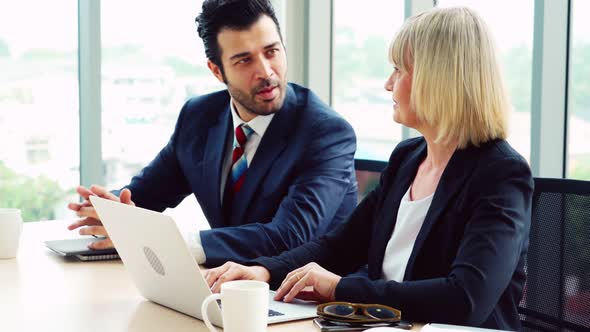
x,y
445,233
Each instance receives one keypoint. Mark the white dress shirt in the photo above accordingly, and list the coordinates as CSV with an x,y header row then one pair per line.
x,y
259,125
410,217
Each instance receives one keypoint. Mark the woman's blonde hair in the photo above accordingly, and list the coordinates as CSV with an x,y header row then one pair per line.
x,y
457,84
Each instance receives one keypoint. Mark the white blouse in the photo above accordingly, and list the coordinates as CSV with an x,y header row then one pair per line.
x,y
410,217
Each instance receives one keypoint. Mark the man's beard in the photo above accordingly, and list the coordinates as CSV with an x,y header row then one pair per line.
x,y
248,99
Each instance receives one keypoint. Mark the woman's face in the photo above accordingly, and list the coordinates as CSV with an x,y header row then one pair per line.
x,y
400,85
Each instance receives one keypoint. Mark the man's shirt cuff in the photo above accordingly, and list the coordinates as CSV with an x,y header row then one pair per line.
x,y
193,242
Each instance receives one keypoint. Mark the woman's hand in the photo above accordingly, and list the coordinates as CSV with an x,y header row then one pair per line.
x,y
321,280
233,271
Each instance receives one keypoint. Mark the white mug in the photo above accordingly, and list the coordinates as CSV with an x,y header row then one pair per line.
x,y
11,226
244,306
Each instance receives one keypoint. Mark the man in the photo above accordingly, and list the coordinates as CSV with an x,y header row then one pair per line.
x,y
287,174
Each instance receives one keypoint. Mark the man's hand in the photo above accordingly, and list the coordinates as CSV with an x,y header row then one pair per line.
x,y
233,271
322,282
90,220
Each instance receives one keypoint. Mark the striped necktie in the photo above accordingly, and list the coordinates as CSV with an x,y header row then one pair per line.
x,y
239,162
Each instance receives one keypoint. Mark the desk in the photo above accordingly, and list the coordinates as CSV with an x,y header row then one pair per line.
x,y
41,291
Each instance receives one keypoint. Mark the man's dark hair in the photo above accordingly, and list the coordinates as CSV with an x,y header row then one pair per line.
x,y
233,14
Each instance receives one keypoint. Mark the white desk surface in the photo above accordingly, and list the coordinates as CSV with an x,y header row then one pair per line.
x,y
41,291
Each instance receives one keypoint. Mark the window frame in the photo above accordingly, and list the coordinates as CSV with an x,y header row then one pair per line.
x,y
310,64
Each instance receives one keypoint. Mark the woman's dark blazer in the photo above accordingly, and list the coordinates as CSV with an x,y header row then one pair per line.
x,y
467,264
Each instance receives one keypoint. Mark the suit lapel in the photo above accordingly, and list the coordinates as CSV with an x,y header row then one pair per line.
x,y
452,180
404,176
271,145
217,136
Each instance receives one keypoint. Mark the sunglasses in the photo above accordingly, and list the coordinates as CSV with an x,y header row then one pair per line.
x,y
358,313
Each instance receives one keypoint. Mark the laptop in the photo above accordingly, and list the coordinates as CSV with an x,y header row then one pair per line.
x,y
162,267
79,248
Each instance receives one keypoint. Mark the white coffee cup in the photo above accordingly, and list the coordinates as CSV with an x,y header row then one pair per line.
x,y
244,306
11,226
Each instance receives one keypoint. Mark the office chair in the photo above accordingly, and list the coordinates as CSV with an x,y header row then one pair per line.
x,y
368,173
557,291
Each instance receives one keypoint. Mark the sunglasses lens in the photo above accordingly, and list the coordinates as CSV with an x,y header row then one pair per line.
x,y
339,310
381,313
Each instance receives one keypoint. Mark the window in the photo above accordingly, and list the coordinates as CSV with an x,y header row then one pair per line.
x,y
152,62
39,129
360,65
578,149
515,47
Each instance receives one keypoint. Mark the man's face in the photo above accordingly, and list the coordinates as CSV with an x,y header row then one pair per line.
x,y
255,67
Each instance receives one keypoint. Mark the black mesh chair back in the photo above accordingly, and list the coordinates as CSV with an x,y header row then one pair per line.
x,y
557,291
368,173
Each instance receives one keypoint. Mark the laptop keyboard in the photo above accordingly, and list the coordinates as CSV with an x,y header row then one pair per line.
x,y
272,313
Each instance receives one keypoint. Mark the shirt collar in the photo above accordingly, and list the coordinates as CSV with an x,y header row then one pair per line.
x,y
259,124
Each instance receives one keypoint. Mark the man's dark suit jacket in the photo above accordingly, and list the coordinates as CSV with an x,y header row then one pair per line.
x,y
467,264
300,183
